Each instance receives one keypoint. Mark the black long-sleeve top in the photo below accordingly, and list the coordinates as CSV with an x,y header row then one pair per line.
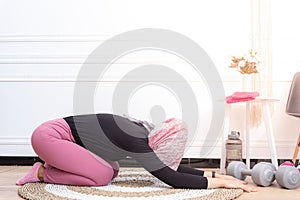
x,y
113,138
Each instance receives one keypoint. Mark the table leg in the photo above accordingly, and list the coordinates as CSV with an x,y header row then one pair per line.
x,y
224,136
247,130
270,133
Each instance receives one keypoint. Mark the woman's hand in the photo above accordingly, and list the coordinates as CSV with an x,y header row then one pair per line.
x,y
224,177
235,183
229,183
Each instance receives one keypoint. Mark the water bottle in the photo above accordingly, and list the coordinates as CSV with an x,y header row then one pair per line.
x,y
233,147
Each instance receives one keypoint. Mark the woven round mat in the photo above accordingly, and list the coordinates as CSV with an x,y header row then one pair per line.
x,y
128,185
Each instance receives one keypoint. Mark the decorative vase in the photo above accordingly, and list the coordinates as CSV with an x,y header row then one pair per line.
x,y
248,83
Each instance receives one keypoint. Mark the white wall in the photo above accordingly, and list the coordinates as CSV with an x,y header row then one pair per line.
x,y
44,43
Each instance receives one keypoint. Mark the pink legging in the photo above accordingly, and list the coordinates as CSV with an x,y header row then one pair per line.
x,y
65,161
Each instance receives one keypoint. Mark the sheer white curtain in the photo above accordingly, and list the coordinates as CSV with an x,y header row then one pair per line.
x,y
286,40
261,41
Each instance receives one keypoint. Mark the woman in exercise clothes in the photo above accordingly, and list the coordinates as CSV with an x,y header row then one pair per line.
x,y
84,150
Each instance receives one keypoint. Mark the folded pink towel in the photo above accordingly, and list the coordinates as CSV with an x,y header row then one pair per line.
x,y
241,96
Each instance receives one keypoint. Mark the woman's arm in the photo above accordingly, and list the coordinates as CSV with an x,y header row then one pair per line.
x,y
198,172
179,179
193,179
219,181
208,174
190,170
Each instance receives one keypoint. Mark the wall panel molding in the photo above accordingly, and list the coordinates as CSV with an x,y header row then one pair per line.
x,y
197,143
283,147
71,59
15,141
54,38
44,59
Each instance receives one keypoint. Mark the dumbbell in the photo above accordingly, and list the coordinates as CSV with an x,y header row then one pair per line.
x,y
288,177
264,174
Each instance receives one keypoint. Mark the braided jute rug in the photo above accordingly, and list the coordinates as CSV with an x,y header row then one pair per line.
x,y
129,185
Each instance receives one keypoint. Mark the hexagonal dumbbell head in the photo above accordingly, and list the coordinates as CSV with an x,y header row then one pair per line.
x,y
288,177
238,170
263,174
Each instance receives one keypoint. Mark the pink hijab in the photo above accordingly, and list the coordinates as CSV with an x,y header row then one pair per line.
x,y
169,142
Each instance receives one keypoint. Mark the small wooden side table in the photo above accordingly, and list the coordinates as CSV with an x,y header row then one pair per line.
x,y
268,125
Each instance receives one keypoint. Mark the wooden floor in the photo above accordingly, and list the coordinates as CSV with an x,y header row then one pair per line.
x,y
9,174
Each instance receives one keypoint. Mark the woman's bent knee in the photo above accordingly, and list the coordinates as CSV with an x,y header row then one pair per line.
x,y
104,177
